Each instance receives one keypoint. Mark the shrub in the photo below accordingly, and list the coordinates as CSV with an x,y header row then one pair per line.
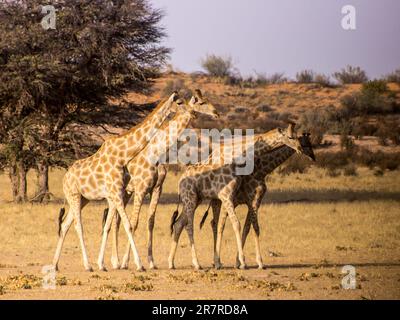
x,y
382,160
362,128
346,142
276,78
351,75
264,108
350,170
394,76
378,172
176,85
305,76
383,134
367,101
374,87
295,164
333,160
388,131
255,81
323,80
217,66
317,123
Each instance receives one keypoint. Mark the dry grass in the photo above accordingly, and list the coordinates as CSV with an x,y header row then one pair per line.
x,y
304,246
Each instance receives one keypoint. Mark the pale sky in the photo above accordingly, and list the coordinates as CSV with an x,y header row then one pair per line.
x,y
283,35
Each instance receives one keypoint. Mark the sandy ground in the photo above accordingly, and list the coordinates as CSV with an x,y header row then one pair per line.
x,y
305,246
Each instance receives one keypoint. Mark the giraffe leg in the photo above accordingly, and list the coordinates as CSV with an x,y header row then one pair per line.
x,y
255,205
138,201
63,232
221,227
128,230
236,228
115,257
178,227
216,209
150,224
189,229
256,228
106,230
79,230
245,233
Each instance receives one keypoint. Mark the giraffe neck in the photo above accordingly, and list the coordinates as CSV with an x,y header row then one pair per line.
x,y
267,162
168,135
126,146
267,142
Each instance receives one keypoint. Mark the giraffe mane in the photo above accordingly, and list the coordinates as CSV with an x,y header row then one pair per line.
x,y
159,105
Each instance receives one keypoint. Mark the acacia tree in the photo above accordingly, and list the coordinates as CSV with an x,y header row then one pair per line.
x,y
51,80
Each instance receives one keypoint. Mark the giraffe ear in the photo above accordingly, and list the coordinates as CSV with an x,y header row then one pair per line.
x,y
175,96
193,100
198,93
291,129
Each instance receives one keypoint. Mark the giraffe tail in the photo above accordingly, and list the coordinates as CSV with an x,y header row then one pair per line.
x,y
60,219
173,220
174,217
103,222
205,216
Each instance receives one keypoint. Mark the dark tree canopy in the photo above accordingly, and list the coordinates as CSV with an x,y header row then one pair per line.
x,y
52,79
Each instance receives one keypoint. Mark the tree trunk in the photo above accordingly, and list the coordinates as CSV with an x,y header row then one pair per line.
x,y
42,193
22,190
13,175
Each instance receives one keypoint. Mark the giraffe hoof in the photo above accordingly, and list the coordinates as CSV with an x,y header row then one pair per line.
x,y
140,269
262,267
116,265
152,266
171,267
198,268
243,267
89,269
103,269
218,266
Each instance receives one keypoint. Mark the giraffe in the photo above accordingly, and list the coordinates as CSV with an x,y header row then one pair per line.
x,y
253,188
215,181
100,176
147,176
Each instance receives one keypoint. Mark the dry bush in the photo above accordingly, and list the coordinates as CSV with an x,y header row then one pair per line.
x,y
350,170
305,76
394,76
351,74
176,85
295,164
217,66
374,87
264,108
323,80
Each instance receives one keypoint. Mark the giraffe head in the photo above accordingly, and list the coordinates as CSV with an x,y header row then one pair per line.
x,y
305,142
198,104
288,137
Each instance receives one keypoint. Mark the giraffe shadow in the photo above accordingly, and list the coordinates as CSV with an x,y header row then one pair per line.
x,y
314,265
296,196
312,196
